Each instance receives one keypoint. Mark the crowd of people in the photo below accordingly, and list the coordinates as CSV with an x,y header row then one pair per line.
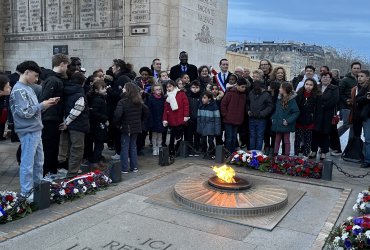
x,y
64,119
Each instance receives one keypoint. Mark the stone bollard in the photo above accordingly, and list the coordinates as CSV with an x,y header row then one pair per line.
x,y
41,195
220,154
327,170
164,156
184,149
115,172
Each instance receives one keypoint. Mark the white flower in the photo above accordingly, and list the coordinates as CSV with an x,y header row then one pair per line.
x,y
62,192
359,200
362,206
84,189
93,185
367,234
75,190
244,157
336,240
354,208
249,160
350,218
360,196
345,236
81,182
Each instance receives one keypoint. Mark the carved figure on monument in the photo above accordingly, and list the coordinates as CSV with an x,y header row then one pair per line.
x,y
205,35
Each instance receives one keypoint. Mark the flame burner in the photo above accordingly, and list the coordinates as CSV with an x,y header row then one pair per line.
x,y
240,184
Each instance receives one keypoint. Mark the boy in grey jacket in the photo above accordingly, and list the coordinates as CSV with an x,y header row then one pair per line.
x,y
26,112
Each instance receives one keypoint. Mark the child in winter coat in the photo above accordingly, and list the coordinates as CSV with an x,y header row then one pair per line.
x,y
259,108
217,97
208,123
307,100
129,116
190,128
284,117
156,108
176,114
232,111
98,120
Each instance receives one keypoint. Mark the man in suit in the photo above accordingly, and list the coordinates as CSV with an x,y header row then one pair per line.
x,y
184,68
222,78
156,67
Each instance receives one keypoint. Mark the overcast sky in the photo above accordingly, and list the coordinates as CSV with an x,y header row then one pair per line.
x,y
339,23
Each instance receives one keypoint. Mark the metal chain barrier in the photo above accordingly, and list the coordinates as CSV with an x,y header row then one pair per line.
x,y
348,174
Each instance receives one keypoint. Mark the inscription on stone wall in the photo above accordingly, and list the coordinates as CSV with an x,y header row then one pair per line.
x,y
95,14
29,15
140,11
207,12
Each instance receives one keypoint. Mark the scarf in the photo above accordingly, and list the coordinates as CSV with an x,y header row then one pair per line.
x,y
171,99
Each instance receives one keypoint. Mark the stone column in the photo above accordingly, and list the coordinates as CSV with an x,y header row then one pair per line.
x,y
1,38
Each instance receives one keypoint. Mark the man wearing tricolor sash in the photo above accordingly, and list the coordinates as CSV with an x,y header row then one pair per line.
x,y
222,78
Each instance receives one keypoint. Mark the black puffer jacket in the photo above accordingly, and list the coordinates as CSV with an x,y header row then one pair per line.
x,y
53,87
307,105
98,116
129,116
72,92
194,103
260,104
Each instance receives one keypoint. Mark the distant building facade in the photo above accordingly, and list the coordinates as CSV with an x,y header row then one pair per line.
x,y
295,55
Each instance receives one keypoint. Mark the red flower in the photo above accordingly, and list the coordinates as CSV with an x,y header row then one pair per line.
x,y
70,184
260,158
366,225
307,171
67,190
9,198
97,172
366,198
349,228
300,161
90,179
316,169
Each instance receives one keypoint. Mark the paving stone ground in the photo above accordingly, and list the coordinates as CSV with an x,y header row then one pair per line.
x,y
119,217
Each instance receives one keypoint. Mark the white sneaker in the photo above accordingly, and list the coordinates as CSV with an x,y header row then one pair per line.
x,y
30,198
115,157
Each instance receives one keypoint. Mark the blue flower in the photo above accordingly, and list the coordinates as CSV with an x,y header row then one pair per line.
x,y
358,221
254,163
347,244
357,230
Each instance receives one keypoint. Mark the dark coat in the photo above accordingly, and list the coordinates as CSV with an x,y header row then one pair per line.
x,y
233,107
326,109
98,116
72,92
53,87
361,107
191,70
215,79
129,116
290,114
176,117
194,100
156,108
208,119
307,107
260,104
345,87
115,91
204,81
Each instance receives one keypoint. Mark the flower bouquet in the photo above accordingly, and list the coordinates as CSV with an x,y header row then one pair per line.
x,y
354,233
293,166
363,202
13,206
251,159
78,186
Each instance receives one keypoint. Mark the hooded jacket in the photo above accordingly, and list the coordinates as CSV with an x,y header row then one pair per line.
x,y
290,114
208,119
233,107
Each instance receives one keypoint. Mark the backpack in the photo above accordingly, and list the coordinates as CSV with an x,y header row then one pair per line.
x,y
353,151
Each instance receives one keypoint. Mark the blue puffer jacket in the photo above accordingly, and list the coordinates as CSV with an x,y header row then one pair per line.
x,y
208,119
290,114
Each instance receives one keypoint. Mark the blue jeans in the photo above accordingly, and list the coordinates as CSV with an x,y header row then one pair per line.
x,y
32,160
231,132
128,149
366,126
257,132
